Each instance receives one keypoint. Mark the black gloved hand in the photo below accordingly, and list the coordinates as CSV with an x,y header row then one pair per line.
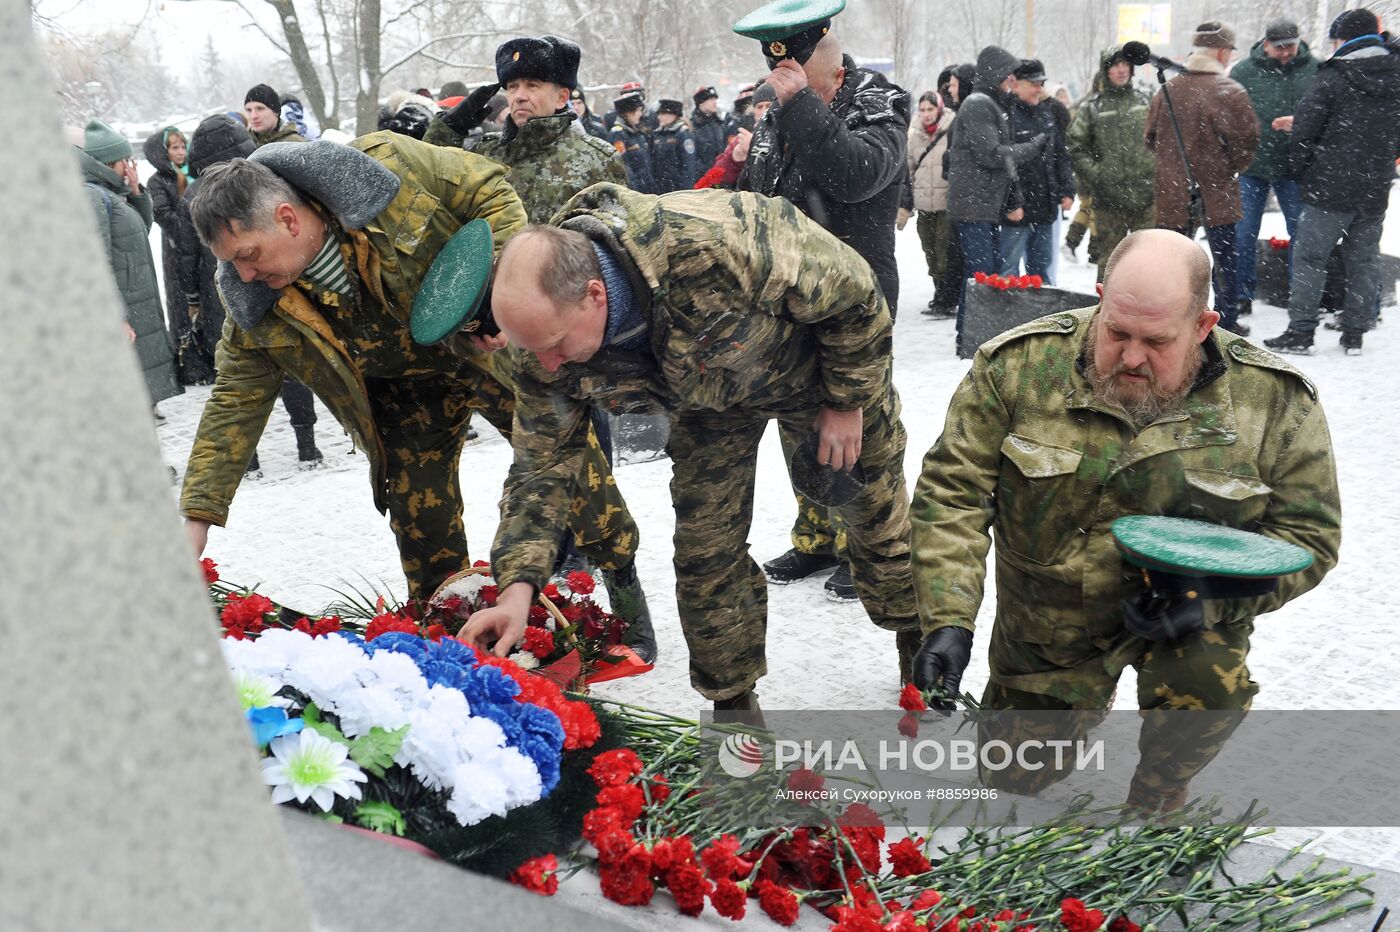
x,y
941,660
1040,139
411,120
472,111
1164,614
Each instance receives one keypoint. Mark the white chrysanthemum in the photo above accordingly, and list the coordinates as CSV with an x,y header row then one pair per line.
x,y
366,707
308,766
258,692
524,659
480,791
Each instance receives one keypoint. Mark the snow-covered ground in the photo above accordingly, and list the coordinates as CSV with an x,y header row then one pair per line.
x,y
297,534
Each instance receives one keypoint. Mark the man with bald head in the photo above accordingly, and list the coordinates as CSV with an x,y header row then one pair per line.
x,y
724,310
1139,406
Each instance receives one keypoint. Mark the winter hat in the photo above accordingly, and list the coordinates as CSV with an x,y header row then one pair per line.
x,y
995,65
217,139
628,102
745,96
104,144
263,95
1213,35
1353,24
546,58
667,105
453,89
400,99
1031,70
703,94
1282,32
764,94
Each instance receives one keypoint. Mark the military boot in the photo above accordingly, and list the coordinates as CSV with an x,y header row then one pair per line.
x,y
308,457
630,603
742,709
1297,342
1147,801
907,642
254,470
795,565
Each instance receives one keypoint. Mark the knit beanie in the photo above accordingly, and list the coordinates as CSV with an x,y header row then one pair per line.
x,y
218,139
1353,24
104,144
265,96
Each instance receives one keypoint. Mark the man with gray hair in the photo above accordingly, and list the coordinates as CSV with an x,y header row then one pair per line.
x,y
1140,406
628,302
322,250
1218,133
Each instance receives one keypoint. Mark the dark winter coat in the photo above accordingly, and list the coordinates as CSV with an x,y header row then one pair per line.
x,y
124,223
1046,178
196,266
983,157
1220,130
843,165
594,126
165,190
1112,163
634,145
1274,90
673,158
1346,130
712,134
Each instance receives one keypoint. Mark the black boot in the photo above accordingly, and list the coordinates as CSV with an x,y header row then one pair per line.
x,y
795,565
254,471
840,587
742,709
307,455
1245,307
1297,342
1351,341
630,603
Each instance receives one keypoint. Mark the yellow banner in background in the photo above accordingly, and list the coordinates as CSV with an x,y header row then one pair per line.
x,y
1145,22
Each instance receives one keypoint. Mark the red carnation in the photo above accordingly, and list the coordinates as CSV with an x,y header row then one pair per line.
x,y
688,886
538,875
859,815
980,278
625,885
488,595
1124,924
850,919
539,642
909,724
720,857
778,902
729,899
1076,917
613,767
601,821
387,622
903,921
551,592
805,781
907,859
211,572
580,583
658,790
911,700
538,615
613,845
1037,281
626,798
926,900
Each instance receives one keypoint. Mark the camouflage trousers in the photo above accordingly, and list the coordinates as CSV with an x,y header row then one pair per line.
x,y
423,424
1206,672
817,529
720,591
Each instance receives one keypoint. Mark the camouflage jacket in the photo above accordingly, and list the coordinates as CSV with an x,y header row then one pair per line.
x,y
440,190
1028,451
550,162
751,309
282,132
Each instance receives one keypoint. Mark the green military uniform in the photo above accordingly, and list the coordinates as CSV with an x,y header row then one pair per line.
x,y
283,132
550,162
1029,452
1112,164
812,330
405,405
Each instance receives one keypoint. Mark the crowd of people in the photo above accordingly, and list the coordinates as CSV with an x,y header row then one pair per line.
x,y
729,271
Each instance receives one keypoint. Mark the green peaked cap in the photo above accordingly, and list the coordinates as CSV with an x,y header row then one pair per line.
x,y
452,295
789,28
1201,549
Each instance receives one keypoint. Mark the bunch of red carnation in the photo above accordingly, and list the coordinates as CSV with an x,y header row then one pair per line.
x,y
319,627
245,615
1008,282
1075,916
1276,242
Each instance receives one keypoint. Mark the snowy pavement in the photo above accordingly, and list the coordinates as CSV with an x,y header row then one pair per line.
x,y
296,535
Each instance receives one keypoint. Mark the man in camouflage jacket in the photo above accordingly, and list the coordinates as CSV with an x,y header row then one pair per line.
x,y
659,328
1054,434
338,321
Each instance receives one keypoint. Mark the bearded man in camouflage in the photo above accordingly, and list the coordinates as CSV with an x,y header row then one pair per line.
x,y
1140,406
725,310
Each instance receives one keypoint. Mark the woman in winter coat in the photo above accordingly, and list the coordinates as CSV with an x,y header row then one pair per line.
x,y
928,194
123,212
166,150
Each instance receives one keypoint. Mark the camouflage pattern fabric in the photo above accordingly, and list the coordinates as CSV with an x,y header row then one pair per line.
x,y
405,405
550,162
1028,453
817,529
813,330
1111,226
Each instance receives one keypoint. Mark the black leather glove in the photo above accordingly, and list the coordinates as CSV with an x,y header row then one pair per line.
x,y
472,111
1164,614
941,660
411,120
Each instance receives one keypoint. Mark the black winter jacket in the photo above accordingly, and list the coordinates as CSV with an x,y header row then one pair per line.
x,y
1046,179
842,165
673,158
1346,130
711,134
